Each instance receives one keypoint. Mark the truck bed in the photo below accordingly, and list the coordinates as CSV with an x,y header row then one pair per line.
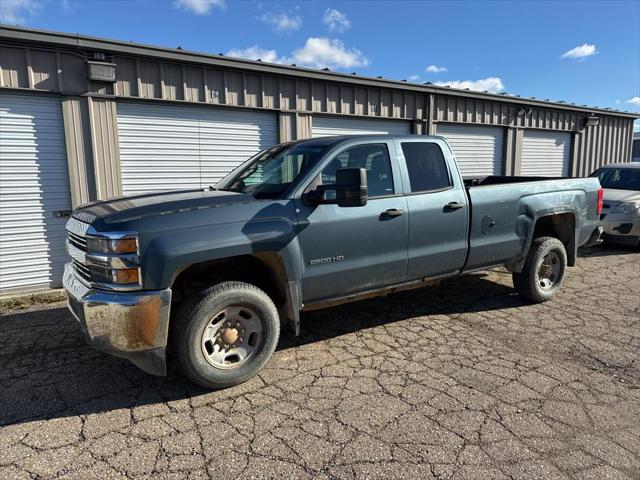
x,y
504,211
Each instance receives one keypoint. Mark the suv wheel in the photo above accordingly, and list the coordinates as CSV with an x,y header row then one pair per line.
x,y
226,335
543,271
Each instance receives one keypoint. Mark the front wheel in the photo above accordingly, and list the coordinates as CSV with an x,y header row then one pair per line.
x,y
226,335
543,271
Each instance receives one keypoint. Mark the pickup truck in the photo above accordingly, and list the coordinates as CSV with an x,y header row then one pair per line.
x,y
207,277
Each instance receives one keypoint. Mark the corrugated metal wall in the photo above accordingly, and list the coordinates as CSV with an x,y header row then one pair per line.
x,y
90,107
609,142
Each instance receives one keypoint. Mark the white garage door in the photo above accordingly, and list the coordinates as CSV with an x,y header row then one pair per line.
x,y
166,147
478,150
545,153
331,126
34,183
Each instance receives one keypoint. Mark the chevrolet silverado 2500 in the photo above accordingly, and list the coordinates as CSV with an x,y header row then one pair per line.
x,y
210,275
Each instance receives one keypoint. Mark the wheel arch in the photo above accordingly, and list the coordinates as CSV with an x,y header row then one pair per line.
x,y
265,269
560,225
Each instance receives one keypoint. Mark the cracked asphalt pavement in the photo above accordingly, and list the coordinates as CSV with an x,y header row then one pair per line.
x,y
464,380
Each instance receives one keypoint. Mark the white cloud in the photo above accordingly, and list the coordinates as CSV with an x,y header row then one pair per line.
x,y
336,21
634,101
19,11
489,84
319,52
581,51
199,7
435,69
255,53
282,22
414,79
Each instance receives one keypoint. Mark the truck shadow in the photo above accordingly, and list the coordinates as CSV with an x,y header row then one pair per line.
x,y
606,250
47,371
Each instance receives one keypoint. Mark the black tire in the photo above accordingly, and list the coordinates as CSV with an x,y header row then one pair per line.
x,y
195,316
528,283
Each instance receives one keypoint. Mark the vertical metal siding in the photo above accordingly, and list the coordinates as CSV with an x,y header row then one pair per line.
x,y
106,159
545,153
75,113
326,126
479,151
172,147
34,183
608,142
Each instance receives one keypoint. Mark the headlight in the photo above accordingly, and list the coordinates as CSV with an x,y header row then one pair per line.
x,y
111,246
628,208
113,260
115,276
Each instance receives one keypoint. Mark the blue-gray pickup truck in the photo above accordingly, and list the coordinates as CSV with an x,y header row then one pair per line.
x,y
206,278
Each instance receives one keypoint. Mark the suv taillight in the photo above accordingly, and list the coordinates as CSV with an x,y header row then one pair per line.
x,y
600,199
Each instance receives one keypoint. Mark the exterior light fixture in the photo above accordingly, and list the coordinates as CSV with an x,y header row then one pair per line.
x,y
591,120
99,70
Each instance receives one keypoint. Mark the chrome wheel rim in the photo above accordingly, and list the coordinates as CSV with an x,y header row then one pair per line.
x,y
231,337
550,271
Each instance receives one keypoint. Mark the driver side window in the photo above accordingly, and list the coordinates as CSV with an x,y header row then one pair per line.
x,y
372,157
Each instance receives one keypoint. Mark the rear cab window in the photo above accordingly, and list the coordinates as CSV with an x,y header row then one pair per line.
x,y
426,166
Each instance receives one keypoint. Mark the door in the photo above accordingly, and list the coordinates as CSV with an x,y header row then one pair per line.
x,y
34,185
327,126
438,210
164,147
545,154
478,150
346,250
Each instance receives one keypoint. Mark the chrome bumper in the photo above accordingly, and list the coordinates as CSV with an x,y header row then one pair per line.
x,y
131,325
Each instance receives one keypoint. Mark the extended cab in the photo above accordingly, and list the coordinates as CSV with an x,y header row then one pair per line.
x,y
212,274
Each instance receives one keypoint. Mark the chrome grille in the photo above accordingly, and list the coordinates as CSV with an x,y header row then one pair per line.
x,y
82,270
77,246
77,241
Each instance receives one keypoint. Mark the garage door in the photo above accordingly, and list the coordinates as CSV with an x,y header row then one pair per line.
x,y
34,183
330,126
173,147
545,153
478,150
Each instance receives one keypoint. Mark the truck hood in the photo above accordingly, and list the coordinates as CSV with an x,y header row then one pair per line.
x,y
136,207
614,195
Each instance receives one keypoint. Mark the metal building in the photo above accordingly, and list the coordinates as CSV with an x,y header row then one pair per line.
x,y
83,118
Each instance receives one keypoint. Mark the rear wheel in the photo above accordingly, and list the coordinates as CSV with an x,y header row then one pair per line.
x,y
543,271
226,335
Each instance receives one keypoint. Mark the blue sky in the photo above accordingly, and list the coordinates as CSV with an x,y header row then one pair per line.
x,y
583,52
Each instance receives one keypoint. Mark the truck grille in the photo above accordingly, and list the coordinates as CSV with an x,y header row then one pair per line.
x,y
77,241
77,247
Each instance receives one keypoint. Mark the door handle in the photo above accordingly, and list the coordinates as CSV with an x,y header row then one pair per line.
x,y
393,212
454,206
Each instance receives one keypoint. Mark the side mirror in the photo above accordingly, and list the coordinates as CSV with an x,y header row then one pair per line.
x,y
351,187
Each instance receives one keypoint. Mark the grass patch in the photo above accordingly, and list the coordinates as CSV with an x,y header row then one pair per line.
x,y
25,301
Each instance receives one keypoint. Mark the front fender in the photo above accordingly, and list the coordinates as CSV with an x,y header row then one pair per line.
x,y
169,253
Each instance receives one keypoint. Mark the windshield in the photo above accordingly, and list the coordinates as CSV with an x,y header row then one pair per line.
x,y
272,171
619,178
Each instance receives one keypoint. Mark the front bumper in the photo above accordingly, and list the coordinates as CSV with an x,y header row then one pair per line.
x,y
622,228
131,325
